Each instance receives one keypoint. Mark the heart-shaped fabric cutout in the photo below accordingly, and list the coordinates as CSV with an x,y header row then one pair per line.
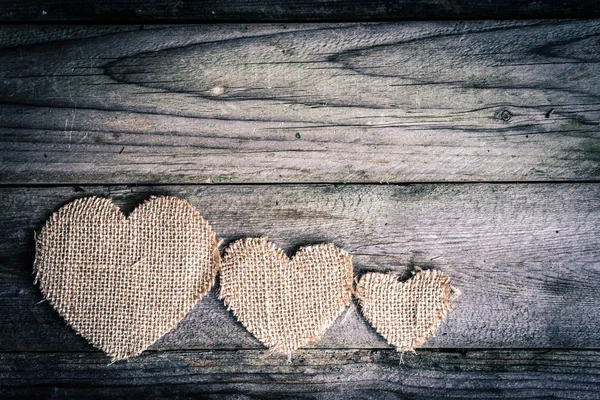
x,y
123,282
407,313
285,303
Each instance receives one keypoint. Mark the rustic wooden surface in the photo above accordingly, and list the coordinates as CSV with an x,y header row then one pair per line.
x,y
310,374
407,102
526,256
295,131
111,11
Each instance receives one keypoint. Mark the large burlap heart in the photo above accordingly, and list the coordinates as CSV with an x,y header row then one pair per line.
x,y
407,313
285,303
123,282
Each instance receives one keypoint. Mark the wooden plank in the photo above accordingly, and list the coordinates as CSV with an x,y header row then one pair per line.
x,y
526,257
314,374
410,102
111,11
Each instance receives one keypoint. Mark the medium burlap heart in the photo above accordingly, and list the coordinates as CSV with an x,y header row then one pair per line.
x,y
285,303
123,282
407,313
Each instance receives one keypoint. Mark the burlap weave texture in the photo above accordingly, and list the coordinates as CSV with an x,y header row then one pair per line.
x,y
285,303
123,282
407,313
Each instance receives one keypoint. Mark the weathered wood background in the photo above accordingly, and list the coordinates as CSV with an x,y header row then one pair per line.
x,y
111,11
469,147
411,102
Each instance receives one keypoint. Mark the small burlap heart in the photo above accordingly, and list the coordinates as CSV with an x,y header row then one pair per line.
x,y
285,303
407,313
123,282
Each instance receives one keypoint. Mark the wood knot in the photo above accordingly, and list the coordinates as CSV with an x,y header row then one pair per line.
x,y
505,115
218,90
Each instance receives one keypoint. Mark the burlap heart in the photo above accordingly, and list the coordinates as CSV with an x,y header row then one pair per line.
x,y
123,282
407,313
285,303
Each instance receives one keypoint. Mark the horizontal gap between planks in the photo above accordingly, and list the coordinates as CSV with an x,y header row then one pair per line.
x,y
314,349
257,21
88,184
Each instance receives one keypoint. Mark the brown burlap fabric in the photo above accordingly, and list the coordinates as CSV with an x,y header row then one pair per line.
x,y
407,313
285,303
123,282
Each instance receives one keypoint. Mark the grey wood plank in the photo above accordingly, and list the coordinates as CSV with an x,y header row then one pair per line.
x,y
314,374
111,11
399,102
525,256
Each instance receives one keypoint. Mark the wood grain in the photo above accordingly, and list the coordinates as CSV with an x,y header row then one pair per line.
x,y
408,102
312,374
525,256
111,11
93,107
